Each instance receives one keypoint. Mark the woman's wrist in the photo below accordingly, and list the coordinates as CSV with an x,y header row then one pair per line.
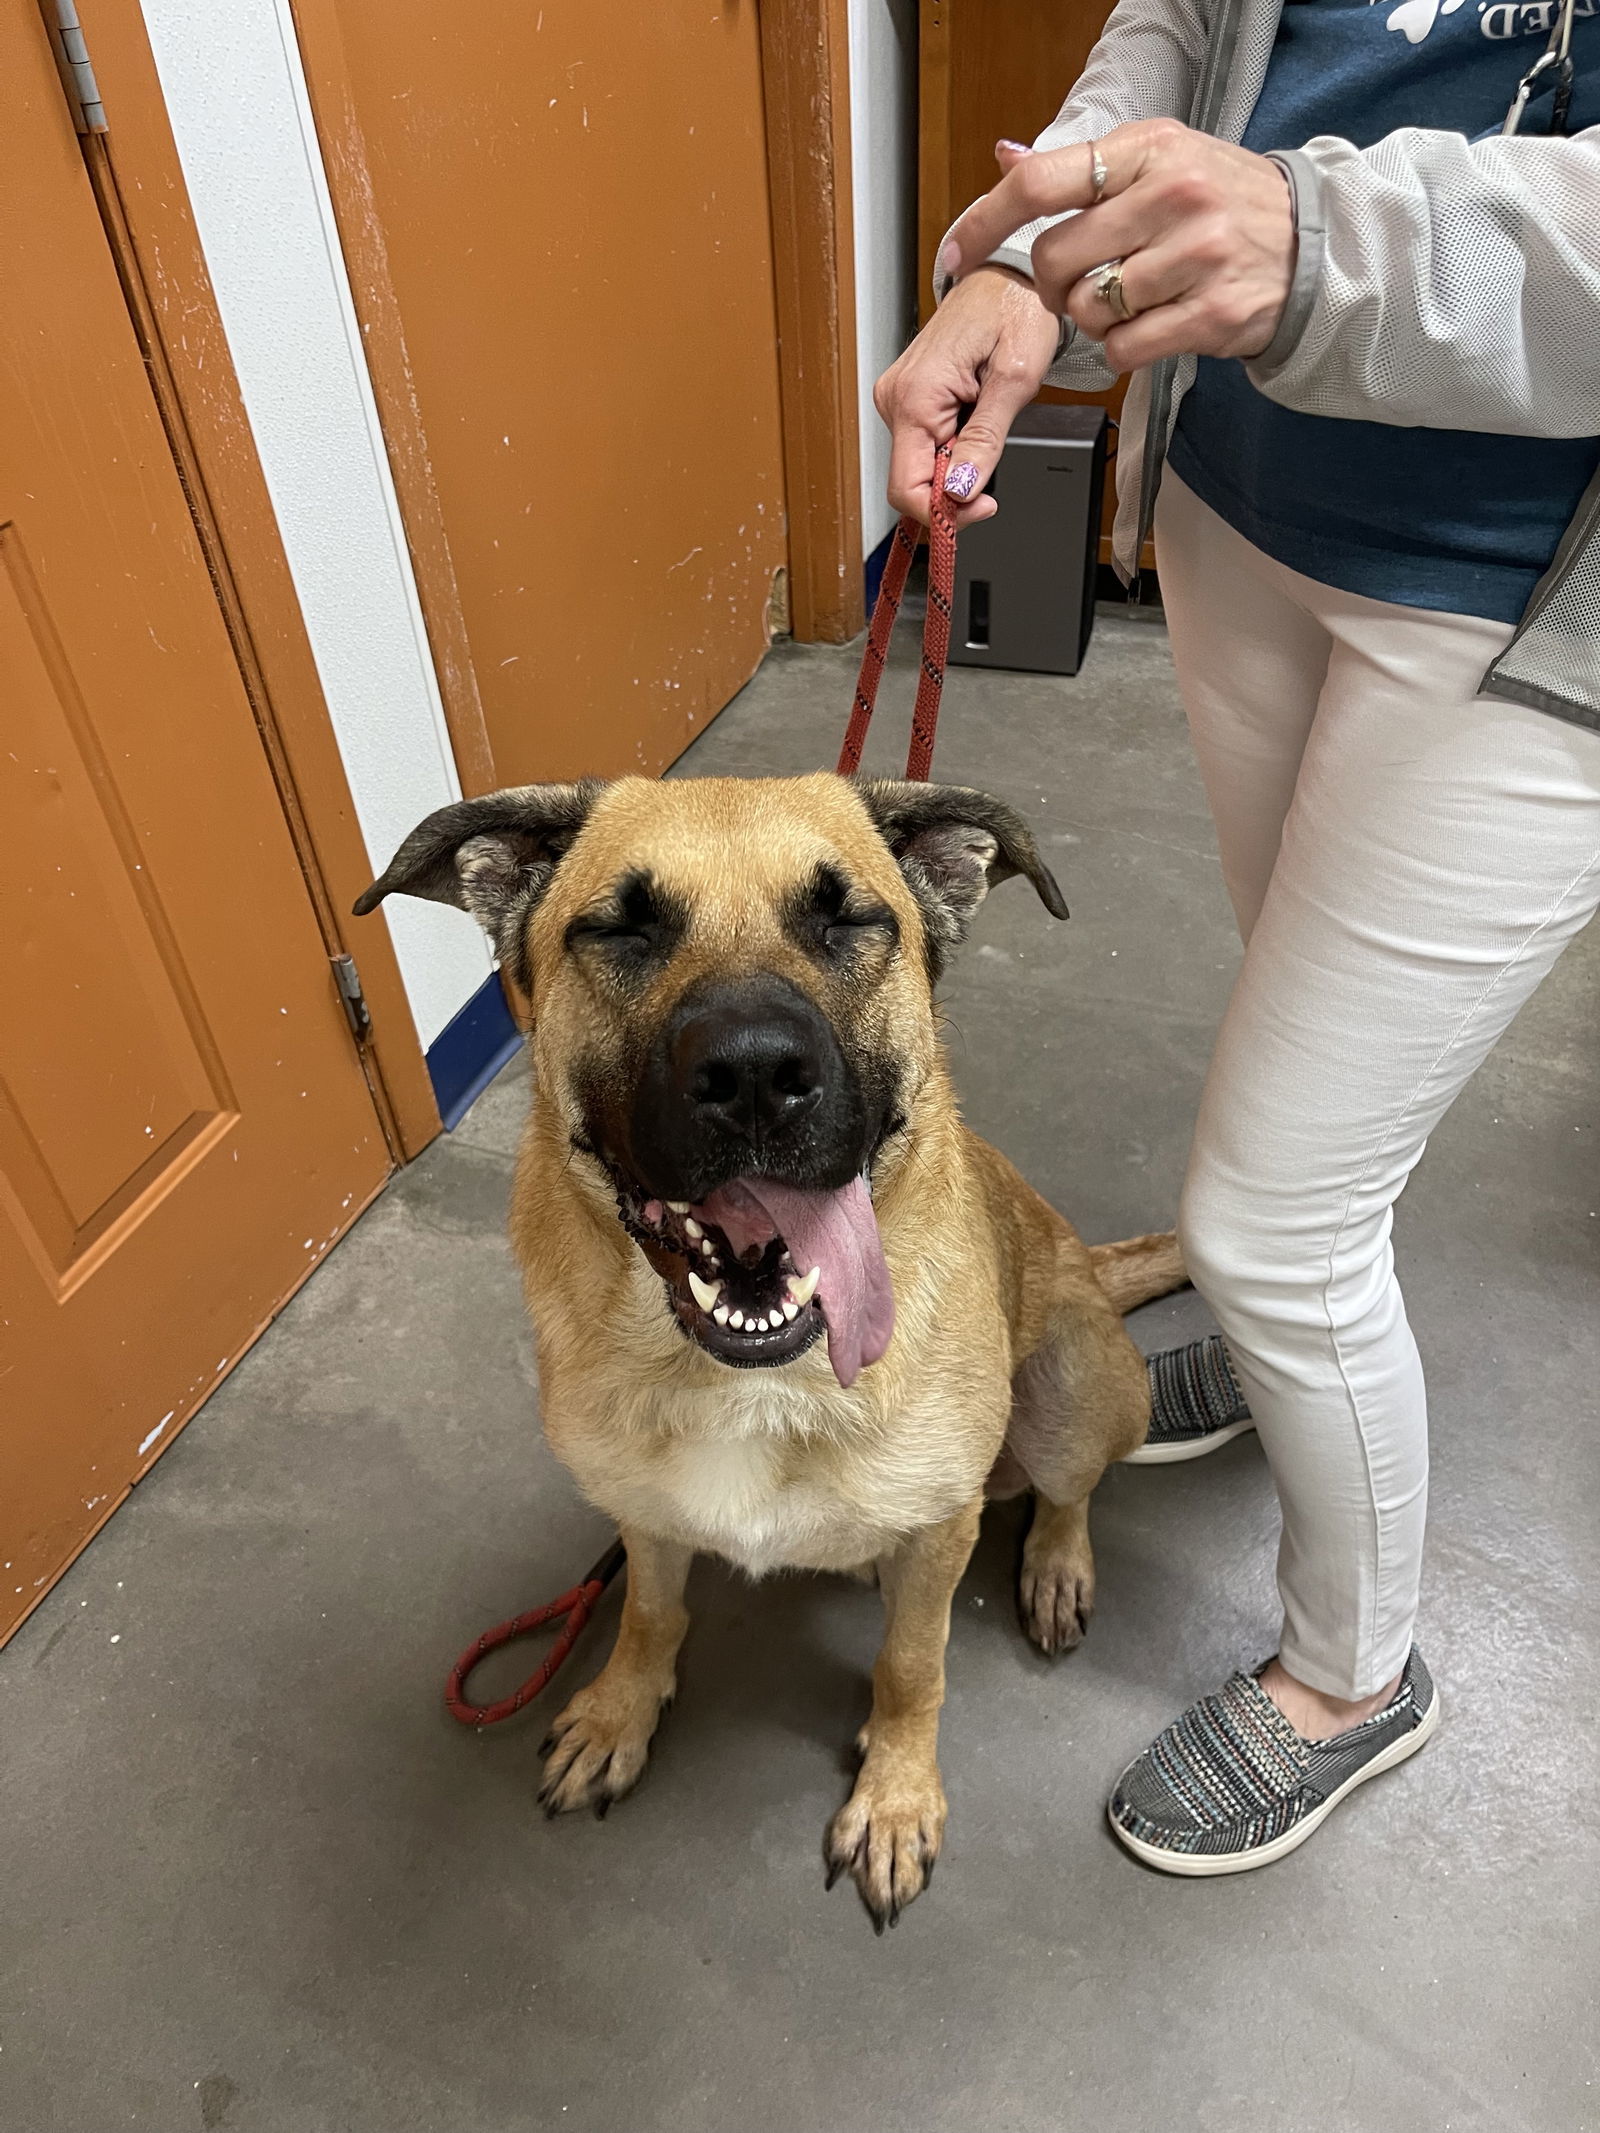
x,y
1160,240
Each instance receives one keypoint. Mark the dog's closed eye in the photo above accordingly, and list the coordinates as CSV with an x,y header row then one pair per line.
x,y
637,924
831,918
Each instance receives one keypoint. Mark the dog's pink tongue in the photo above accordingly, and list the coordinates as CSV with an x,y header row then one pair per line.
x,y
835,1232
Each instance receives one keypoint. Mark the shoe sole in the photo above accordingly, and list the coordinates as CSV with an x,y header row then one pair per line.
x,y
1198,1863
1187,1447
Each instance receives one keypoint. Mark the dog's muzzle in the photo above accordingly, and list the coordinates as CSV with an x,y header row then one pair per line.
x,y
745,1077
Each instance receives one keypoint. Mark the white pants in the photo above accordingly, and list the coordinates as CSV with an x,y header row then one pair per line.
x,y
1406,862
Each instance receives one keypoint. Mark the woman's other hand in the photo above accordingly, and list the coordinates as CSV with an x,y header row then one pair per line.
x,y
1204,233
987,347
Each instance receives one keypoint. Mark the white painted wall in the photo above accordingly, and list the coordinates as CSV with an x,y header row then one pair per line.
x,y
236,94
883,142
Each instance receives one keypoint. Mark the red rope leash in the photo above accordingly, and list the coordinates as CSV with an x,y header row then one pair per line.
x,y
578,1604
935,632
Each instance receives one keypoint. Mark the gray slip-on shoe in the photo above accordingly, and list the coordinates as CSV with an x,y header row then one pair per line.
x,y
1231,1785
1196,1404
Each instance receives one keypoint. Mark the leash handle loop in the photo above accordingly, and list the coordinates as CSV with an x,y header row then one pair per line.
x,y
935,632
576,1605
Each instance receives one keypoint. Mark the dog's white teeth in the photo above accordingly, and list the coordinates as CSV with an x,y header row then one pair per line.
x,y
679,1207
736,1319
707,1246
791,1310
705,1293
692,1230
720,1314
774,1321
802,1287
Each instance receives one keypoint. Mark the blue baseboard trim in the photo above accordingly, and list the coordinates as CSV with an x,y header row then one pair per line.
x,y
874,570
471,1049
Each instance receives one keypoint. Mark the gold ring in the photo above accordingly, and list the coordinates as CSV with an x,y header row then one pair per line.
x,y
1108,287
1098,173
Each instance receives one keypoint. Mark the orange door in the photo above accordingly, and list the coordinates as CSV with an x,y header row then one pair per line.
x,y
184,1125
557,223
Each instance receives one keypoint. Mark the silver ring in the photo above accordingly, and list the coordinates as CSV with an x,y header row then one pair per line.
x,y
1108,287
1098,174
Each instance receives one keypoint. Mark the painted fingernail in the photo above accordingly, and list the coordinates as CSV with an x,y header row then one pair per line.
x,y
1017,148
961,480
950,258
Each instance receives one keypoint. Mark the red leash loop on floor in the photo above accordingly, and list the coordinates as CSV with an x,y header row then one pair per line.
x,y
935,632
577,1606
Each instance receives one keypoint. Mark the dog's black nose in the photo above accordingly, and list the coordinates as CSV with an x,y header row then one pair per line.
x,y
746,1076
751,1067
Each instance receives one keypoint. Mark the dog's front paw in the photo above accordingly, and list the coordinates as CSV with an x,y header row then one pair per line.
x,y
598,1747
1055,1594
887,1836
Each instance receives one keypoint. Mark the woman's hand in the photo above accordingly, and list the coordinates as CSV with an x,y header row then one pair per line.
x,y
987,347
1204,233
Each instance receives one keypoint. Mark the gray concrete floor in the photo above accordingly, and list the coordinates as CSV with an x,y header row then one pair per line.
x,y
251,1876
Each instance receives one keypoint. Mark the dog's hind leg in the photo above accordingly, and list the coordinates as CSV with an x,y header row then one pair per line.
x,y
599,1744
888,1833
1080,1401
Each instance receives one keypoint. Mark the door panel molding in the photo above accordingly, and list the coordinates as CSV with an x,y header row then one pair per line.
x,y
125,875
73,1198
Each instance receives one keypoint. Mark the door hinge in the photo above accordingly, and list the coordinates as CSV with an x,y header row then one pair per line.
x,y
351,997
77,75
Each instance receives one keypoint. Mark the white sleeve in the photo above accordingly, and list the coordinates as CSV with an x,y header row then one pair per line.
x,y
1444,284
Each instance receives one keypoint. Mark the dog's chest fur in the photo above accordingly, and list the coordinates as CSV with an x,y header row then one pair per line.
x,y
748,1499
761,1485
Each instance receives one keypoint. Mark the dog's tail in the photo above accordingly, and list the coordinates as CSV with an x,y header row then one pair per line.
x,y
1139,1269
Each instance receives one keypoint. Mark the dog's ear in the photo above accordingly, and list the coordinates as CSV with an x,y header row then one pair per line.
x,y
494,857
953,846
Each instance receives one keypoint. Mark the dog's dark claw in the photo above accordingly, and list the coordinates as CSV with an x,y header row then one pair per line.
x,y
877,1923
835,1869
602,1807
547,1744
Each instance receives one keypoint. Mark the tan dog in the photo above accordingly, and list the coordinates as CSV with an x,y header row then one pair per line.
x,y
789,1310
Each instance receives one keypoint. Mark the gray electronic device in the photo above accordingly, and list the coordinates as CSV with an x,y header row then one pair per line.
x,y
1025,579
